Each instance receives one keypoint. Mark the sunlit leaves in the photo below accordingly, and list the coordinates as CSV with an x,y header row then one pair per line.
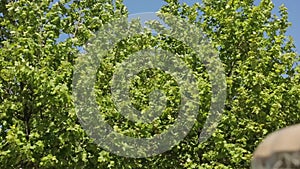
x,y
39,40
38,126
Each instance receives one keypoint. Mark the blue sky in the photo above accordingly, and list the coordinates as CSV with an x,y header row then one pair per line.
x,y
139,6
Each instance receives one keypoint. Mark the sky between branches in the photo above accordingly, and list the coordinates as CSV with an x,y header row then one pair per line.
x,y
139,6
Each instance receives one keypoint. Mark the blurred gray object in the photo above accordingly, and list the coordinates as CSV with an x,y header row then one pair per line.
x,y
279,150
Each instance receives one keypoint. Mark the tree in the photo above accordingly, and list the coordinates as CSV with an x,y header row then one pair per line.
x,y
262,82
39,126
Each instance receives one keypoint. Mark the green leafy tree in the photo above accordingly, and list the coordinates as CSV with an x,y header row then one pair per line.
x,y
39,126
262,80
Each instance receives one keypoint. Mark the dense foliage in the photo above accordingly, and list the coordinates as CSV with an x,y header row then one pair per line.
x,y
40,42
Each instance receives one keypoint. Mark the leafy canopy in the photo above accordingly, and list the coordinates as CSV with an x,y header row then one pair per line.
x,y
40,129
